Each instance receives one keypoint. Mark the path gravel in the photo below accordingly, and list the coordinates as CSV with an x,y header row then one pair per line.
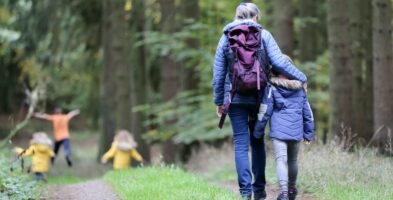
x,y
91,190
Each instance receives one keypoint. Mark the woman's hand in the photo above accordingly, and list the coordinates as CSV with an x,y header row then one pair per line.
x,y
305,87
219,110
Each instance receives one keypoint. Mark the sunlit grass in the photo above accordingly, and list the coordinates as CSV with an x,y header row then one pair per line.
x,y
164,183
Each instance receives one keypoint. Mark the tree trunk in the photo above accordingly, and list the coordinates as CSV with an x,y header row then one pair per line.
x,y
383,69
368,85
115,51
308,35
283,13
140,86
169,73
340,68
121,47
361,49
190,12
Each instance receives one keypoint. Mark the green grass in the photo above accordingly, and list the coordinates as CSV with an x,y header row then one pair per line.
x,y
325,171
331,173
164,183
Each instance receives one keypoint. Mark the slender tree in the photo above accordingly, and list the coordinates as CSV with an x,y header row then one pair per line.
x,y
121,59
190,13
308,34
283,14
169,73
361,49
139,79
340,69
383,69
115,63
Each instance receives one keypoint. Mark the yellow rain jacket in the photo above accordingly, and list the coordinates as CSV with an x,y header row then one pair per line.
x,y
122,159
40,157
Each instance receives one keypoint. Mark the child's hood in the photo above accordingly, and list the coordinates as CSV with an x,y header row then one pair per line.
x,y
124,146
41,138
286,87
41,148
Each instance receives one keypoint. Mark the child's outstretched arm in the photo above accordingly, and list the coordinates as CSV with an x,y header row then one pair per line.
x,y
265,112
135,155
73,113
308,121
51,153
109,154
42,116
21,152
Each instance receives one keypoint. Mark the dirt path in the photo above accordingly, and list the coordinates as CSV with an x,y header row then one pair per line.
x,y
271,191
208,160
91,190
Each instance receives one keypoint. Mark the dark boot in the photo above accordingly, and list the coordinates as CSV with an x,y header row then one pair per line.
x,y
292,193
283,196
260,196
69,162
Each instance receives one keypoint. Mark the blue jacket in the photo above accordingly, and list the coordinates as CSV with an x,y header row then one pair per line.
x,y
285,103
221,80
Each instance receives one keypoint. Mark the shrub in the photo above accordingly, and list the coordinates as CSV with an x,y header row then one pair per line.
x,y
16,184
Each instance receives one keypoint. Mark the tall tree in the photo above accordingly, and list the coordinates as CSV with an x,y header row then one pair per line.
x,y
139,79
383,68
340,68
361,51
169,72
190,14
308,35
283,13
121,49
116,73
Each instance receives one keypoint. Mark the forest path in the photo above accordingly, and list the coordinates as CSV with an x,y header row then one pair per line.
x,y
90,190
271,191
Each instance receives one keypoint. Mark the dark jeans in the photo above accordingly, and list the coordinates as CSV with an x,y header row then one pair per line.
x,y
67,147
243,117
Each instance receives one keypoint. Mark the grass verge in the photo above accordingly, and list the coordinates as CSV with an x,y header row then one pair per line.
x,y
164,183
325,171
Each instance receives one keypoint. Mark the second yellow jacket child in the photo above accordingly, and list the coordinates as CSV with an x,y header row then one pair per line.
x,y
123,149
40,153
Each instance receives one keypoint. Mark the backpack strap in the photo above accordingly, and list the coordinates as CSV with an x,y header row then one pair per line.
x,y
230,56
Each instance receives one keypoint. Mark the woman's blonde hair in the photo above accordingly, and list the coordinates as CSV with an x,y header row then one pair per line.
x,y
247,11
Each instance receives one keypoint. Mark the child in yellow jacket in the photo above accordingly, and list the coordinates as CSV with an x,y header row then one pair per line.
x,y
123,149
40,152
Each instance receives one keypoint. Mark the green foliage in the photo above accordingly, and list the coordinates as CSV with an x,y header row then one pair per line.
x,y
16,185
172,184
193,117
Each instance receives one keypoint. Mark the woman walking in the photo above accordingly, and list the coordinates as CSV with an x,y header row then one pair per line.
x,y
243,108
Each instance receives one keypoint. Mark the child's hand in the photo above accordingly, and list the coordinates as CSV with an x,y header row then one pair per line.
x,y
103,161
307,142
17,150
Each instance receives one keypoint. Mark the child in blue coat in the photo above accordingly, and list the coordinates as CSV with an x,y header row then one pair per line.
x,y
284,103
